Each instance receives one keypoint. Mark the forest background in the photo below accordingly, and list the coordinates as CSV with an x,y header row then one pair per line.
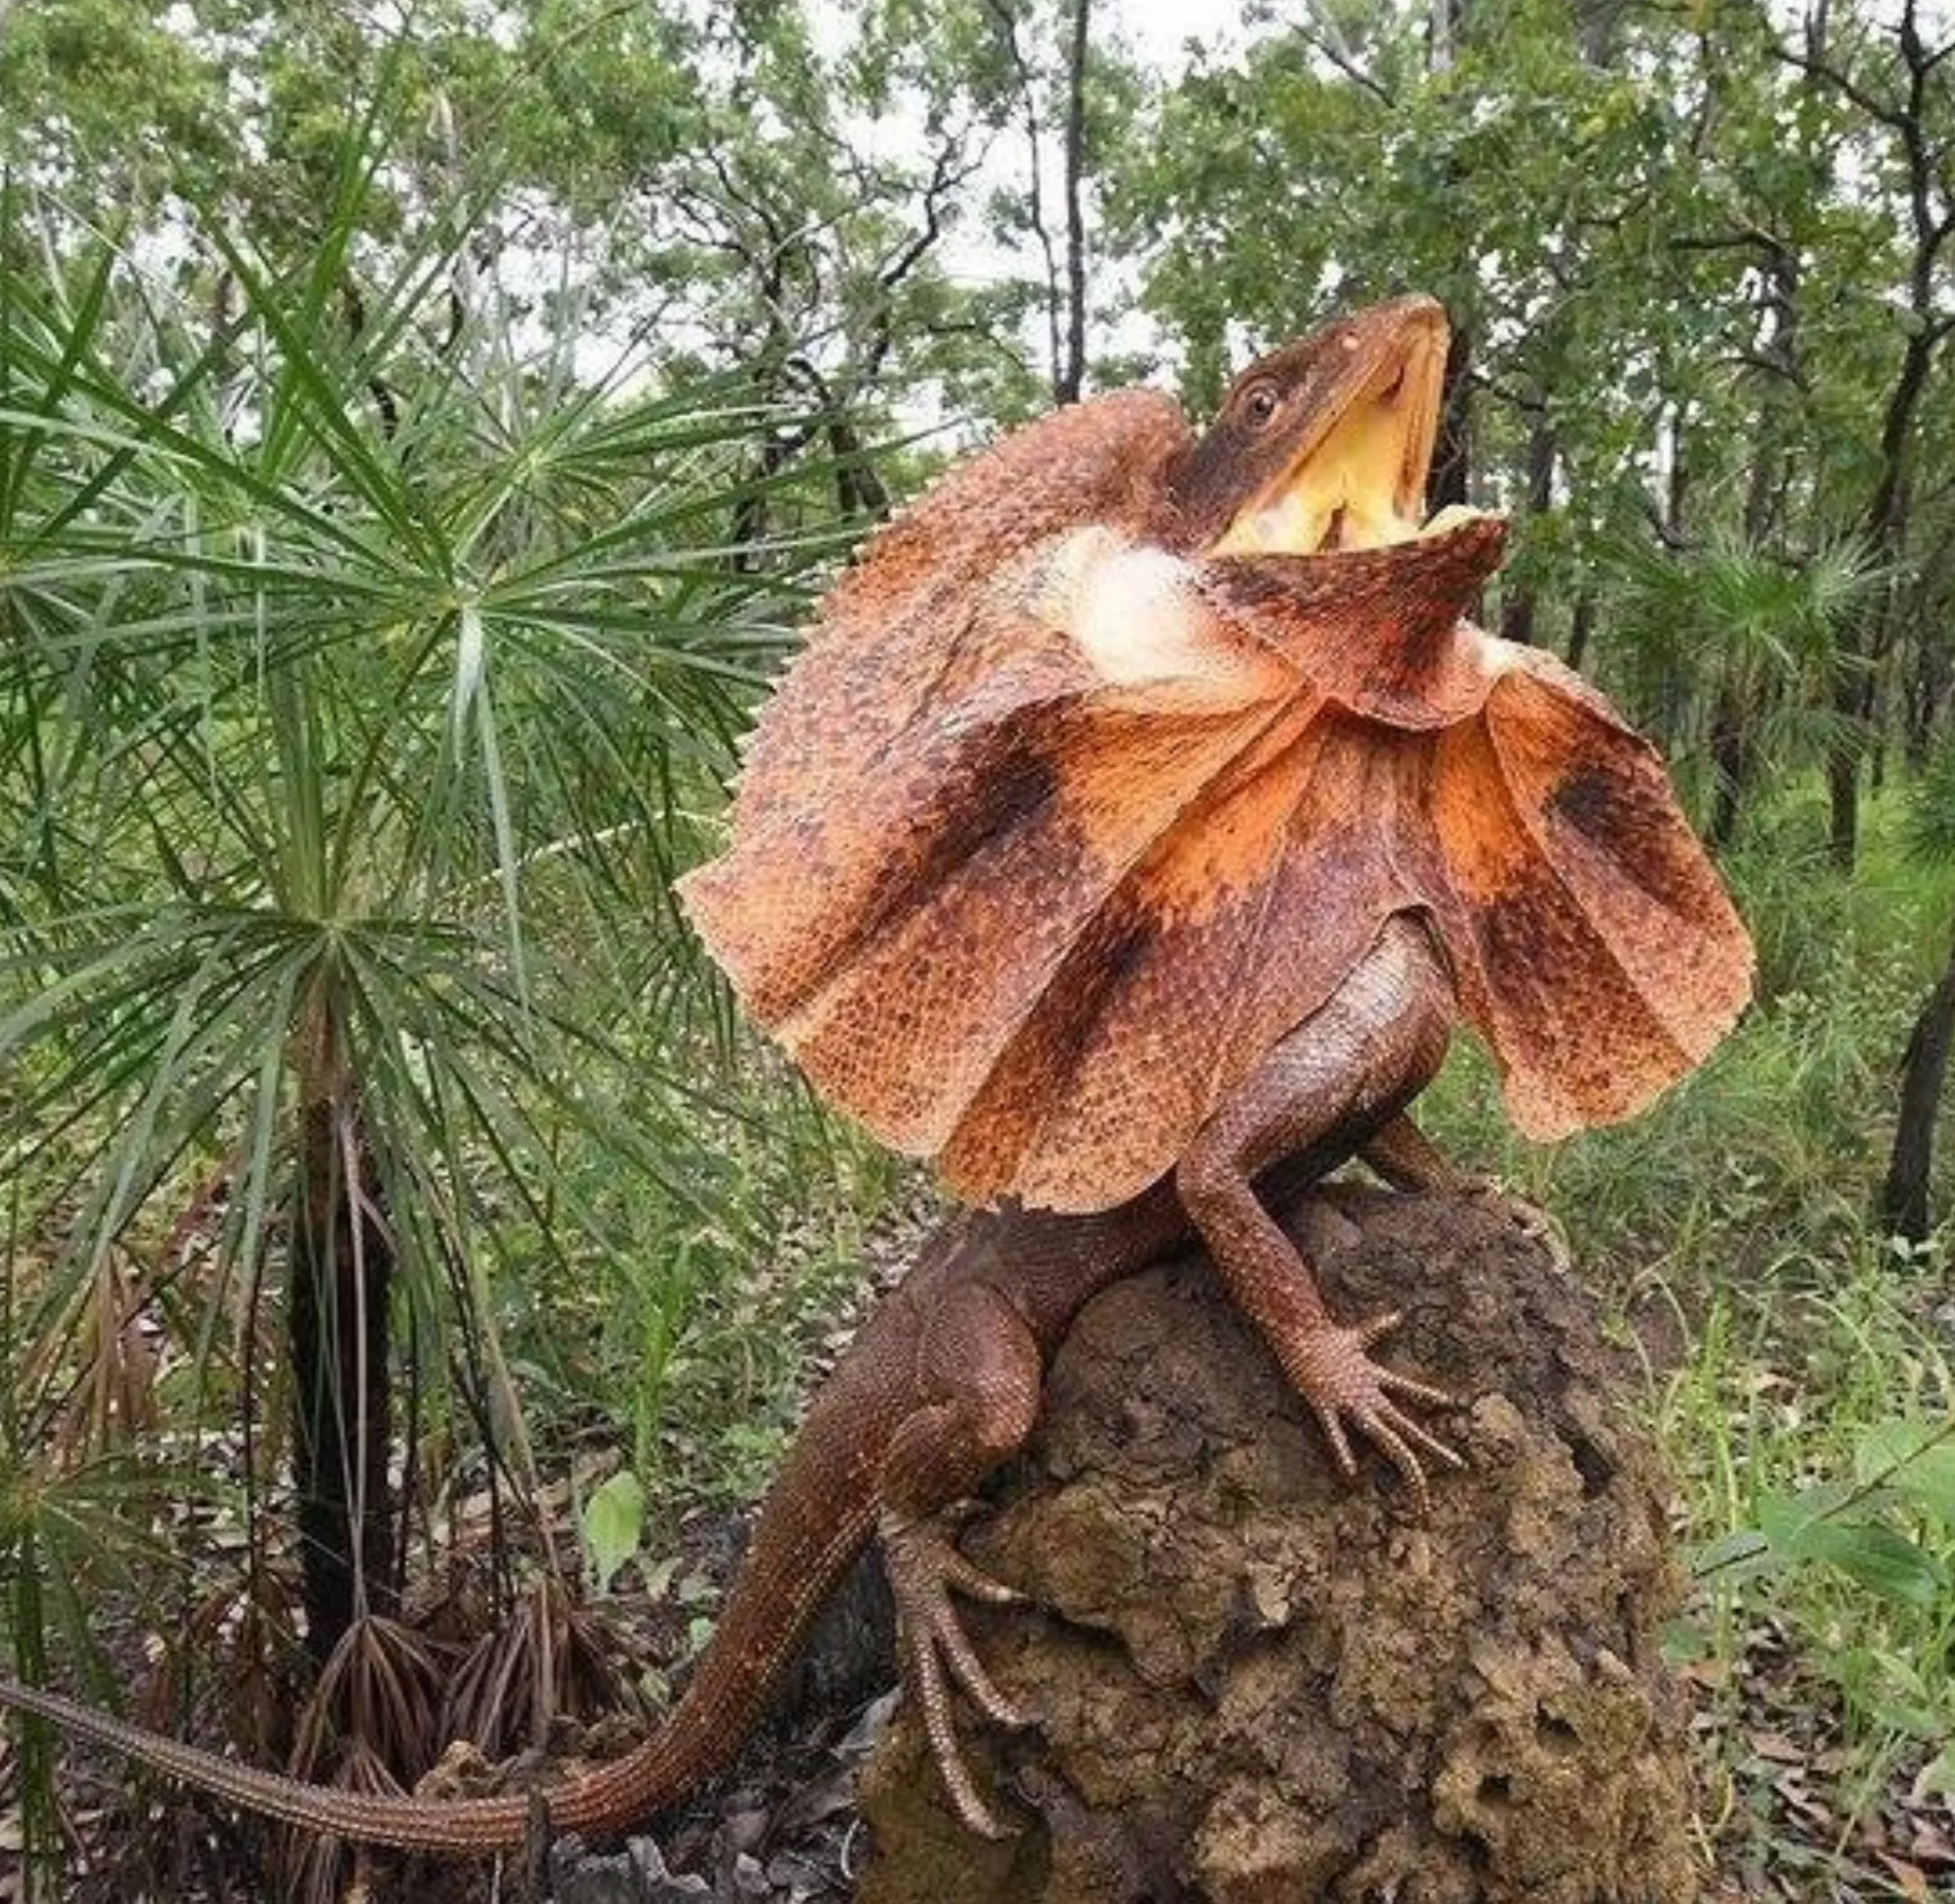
x,y
423,429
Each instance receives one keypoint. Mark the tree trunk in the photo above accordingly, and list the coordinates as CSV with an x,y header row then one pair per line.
x,y
1731,754
1452,454
1926,686
859,491
1580,627
1904,1196
341,1272
1516,613
1883,532
1072,375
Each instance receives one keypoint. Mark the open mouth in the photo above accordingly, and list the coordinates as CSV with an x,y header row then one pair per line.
x,y
1361,484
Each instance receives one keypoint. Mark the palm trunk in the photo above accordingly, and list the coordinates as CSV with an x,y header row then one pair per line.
x,y
341,1272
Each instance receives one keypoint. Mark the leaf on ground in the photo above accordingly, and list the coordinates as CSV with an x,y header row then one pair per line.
x,y
613,1524
1909,1879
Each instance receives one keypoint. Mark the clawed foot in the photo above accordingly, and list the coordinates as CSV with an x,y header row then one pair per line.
x,y
1329,1367
925,1567
1529,1220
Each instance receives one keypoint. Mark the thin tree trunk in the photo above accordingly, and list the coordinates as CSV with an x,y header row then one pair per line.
x,y
1676,498
1452,454
1884,529
1581,629
859,491
1923,698
1904,1196
1731,754
1072,376
341,1272
1450,479
1516,613
1035,194
750,508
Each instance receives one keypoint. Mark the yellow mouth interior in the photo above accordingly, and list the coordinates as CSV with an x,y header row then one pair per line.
x,y
1362,485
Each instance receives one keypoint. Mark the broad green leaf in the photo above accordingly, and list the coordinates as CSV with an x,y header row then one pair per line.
x,y
613,1525
1745,1553
1916,1459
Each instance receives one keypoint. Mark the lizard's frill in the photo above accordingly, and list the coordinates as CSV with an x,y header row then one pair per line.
x,y
1123,821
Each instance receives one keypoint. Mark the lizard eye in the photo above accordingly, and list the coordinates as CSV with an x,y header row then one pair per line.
x,y
1259,404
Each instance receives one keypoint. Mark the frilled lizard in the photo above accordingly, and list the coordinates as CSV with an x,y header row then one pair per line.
x,y
1139,821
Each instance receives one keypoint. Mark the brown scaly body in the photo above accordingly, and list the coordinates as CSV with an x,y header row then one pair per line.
x,y
1136,827
940,1385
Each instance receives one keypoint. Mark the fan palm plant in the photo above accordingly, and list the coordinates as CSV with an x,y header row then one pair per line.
x,y
357,681
1727,649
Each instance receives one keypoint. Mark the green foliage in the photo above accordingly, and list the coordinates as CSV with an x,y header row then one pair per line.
x,y
613,1522
365,672
1932,809
396,517
1817,1447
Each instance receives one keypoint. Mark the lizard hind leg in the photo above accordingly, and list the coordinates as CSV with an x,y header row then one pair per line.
x,y
1324,1090
985,1375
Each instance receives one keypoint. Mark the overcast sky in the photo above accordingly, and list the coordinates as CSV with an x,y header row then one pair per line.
x,y
1159,29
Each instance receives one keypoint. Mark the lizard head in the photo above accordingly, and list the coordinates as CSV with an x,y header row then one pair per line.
x,y
1323,446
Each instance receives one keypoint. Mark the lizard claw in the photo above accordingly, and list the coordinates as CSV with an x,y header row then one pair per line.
x,y
1529,1219
1329,1367
925,1567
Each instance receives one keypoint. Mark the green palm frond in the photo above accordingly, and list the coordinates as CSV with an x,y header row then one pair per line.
x,y
378,673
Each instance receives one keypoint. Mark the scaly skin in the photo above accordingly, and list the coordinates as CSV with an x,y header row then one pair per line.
x,y
1456,831
939,1387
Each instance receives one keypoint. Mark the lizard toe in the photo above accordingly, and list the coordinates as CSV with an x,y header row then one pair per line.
x,y
1329,1365
925,1569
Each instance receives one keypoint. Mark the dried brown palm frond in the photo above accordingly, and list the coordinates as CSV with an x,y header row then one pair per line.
x,y
380,1692
319,1871
112,1343
238,1642
554,1659
373,1723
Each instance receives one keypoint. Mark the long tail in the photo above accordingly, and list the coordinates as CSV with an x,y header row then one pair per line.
x,y
815,1524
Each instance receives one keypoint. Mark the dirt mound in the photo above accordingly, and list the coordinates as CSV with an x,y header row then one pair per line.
x,y
1259,1683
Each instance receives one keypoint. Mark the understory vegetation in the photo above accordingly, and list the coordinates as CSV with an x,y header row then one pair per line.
x,y
1800,1369
421,440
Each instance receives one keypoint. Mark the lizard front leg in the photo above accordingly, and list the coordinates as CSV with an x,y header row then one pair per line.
x,y
1327,1089
1407,1160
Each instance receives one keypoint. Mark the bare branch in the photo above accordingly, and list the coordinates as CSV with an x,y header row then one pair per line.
x,y
1815,67
1322,35
1035,194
